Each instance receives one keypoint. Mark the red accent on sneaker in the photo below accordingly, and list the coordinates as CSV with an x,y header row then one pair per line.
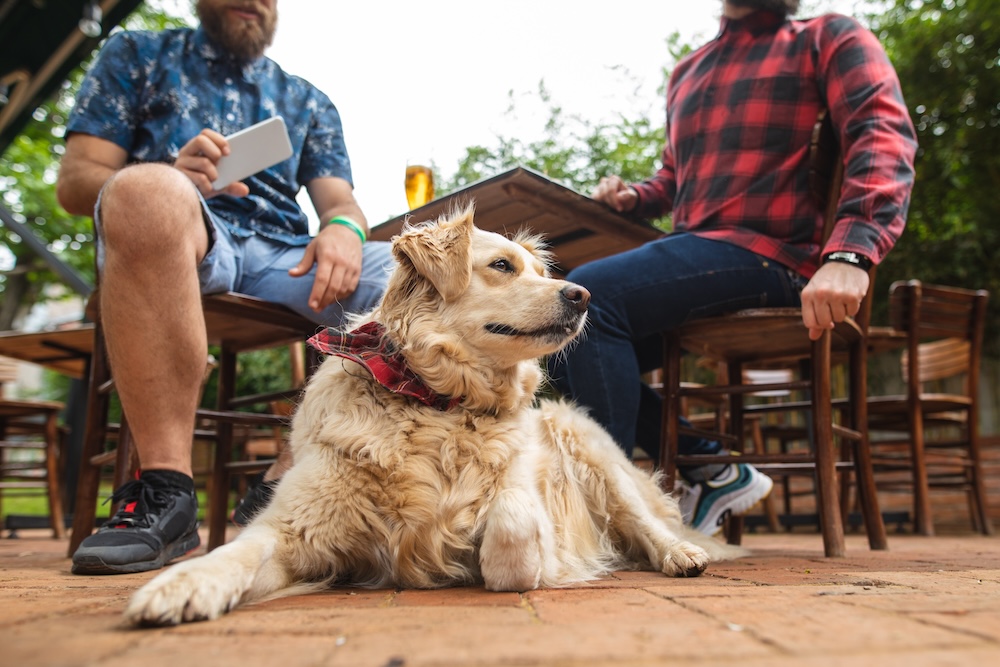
x,y
130,508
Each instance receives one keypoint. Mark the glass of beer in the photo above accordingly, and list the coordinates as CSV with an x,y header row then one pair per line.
x,y
419,185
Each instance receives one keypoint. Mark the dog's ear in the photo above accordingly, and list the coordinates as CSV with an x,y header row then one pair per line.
x,y
440,252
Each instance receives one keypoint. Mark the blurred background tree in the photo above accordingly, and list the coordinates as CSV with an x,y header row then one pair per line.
x,y
947,54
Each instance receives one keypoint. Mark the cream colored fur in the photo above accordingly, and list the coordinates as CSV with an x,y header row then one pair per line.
x,y
386,491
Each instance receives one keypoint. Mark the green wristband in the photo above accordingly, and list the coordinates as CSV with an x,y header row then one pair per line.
x,y
347,222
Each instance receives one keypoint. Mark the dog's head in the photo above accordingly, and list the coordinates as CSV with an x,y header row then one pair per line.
x,y
465,305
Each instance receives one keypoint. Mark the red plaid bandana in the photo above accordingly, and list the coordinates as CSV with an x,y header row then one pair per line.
x,y
367,345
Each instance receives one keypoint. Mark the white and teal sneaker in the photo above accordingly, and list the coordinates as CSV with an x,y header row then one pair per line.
x,y
735,490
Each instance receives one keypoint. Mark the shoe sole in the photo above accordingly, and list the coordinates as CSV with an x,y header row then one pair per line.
x,y
737,503
91,564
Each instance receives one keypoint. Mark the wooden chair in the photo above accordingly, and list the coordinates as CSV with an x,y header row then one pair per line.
x,y
236,323
710,412
776,337
31,425
932,431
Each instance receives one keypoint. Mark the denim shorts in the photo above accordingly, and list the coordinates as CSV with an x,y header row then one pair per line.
x,y
258,266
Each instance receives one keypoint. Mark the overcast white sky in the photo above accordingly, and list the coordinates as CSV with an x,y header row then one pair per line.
x,y
422,80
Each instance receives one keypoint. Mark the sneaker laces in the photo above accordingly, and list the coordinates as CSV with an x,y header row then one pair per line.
x,y
136,494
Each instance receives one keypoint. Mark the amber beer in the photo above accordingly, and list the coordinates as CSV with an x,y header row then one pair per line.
x,y
419,185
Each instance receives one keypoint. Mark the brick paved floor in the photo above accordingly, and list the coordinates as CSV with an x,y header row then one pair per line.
x,y
926,601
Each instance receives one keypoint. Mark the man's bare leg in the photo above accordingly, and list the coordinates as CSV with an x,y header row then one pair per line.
x,y
154,237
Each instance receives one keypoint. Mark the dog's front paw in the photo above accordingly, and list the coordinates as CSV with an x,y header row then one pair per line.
x,y
684,559
181,594
517,543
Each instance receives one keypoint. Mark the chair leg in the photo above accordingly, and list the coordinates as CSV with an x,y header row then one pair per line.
x,y
218,499
734,530
671,409
89,478
53,458
771,514
769,504
977,486
923,522
828,505
864,474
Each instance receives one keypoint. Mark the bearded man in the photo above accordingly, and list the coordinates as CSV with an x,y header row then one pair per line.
x,y
740,113
143,144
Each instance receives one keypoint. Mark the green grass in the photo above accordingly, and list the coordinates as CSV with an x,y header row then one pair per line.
x,y
35,503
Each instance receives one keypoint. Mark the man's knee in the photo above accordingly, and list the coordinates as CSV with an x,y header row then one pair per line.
x,y
151,205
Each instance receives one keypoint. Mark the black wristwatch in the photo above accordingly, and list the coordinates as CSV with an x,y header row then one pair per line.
x,y
845,257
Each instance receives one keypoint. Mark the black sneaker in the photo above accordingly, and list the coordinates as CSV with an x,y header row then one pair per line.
x,y
258,496
157,523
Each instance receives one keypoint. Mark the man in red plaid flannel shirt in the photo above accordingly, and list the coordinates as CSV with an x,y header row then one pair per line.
x,y
735,177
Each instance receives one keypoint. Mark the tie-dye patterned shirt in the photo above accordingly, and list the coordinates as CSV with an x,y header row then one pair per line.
x,y
151,92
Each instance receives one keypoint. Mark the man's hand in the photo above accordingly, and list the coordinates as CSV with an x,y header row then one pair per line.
x,y
834,294
198,159
613,191
336,252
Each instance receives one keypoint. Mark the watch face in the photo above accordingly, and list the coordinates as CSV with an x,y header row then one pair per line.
x,y
852,258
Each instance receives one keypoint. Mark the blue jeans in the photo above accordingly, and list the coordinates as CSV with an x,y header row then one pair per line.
x,y
640,293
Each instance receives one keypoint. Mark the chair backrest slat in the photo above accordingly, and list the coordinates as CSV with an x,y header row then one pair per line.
x,y
940,359
945,327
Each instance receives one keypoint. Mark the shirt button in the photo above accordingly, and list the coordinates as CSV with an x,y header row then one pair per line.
x,y
229,81
230,117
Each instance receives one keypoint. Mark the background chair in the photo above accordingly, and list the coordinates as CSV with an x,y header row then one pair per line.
x,y
236,323
932,431
31,445
776,337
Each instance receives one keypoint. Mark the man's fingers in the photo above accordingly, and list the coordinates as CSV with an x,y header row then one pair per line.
x,y
321,284
308,258
341,283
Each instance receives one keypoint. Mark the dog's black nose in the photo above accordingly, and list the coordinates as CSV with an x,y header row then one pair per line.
x,y
578,296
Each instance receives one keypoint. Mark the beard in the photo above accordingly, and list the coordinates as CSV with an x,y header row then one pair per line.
x,y
781,7
245,40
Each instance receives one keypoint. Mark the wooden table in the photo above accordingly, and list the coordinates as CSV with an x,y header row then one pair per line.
x,y
577,228
64,350
68,350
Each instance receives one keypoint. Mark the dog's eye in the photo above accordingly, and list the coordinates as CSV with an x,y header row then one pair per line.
x,y
503,265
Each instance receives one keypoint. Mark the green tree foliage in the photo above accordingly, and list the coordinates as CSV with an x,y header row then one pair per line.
x,y
28,171
572,150
947,54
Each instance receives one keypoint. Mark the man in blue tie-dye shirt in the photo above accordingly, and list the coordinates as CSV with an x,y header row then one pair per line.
x,y
143,144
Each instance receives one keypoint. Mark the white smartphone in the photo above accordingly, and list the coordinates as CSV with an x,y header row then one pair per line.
x,y
253,149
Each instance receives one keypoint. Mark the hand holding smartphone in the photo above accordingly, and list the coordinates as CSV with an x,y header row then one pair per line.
x,y
253,149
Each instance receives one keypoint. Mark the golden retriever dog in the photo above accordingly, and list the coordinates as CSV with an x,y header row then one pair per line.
x,y
423,460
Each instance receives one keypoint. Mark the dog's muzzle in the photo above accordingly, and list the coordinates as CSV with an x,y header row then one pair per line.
x,y
575,300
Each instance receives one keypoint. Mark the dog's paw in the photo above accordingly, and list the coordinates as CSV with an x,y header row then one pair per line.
x,y
181,595
517,543
685,560
510,565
